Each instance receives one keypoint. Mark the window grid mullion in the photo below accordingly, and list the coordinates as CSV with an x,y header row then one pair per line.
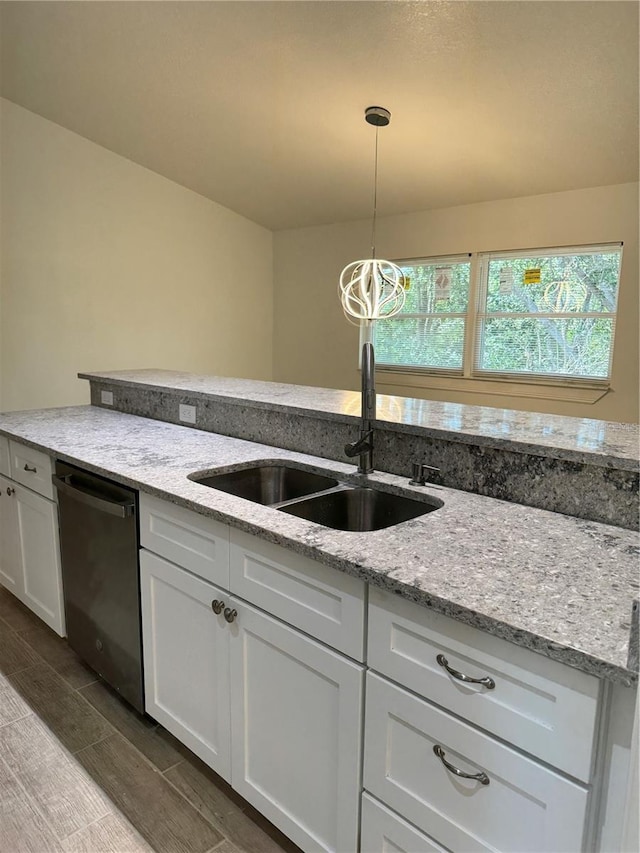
x,y
548,315
477,298
434,314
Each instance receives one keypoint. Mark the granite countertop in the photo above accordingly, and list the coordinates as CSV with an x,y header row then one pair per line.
x,y
553,583
603,443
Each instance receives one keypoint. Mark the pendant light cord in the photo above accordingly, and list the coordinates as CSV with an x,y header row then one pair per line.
x,y
375,198
372,289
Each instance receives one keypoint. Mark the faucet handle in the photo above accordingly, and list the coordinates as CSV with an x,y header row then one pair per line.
x,y
420,473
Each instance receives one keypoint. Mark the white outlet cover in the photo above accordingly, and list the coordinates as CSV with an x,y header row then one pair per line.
x,y
187,414
106,398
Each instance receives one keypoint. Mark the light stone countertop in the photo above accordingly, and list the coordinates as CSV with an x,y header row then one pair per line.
x,y
556,584
603,443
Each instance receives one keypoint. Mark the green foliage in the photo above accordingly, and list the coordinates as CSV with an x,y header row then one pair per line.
x,y
435,339
537,328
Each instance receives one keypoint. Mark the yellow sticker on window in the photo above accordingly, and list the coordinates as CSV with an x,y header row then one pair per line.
x,y
406,282
532,276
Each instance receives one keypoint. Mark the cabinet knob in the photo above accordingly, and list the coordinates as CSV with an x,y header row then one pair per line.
x,y
217,605
230,614
10,491
29,468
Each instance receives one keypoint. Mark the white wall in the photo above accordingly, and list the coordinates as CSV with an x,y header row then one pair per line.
x,y
107,265
314,344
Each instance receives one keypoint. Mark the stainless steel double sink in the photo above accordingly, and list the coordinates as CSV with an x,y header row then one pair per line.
x,y
318,497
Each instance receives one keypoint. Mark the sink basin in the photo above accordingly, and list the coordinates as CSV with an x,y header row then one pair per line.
x,y
268,484
359,509
317,497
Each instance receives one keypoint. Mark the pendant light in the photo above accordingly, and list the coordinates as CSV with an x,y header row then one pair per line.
x,y
372,289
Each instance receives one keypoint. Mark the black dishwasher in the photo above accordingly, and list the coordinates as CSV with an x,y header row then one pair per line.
x,y
100,576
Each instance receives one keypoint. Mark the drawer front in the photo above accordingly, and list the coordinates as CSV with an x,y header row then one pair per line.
x,y
383,831
192,541
524,807
5,466
539,705
32,468
319,600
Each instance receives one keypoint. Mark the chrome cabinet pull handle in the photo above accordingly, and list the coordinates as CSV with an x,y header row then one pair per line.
x,y
478,777
217,605
29,468
487,682
230,614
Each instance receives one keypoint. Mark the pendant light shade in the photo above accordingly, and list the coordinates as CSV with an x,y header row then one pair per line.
x,y
372,289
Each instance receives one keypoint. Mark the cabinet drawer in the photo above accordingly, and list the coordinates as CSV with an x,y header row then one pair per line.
x,y
193,541
383,831
524,807
32,468
5,467
319,600
540,705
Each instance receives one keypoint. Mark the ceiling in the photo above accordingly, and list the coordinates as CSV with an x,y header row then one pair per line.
x,y
260,105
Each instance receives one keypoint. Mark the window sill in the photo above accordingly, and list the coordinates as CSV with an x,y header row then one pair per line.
x,y
496,387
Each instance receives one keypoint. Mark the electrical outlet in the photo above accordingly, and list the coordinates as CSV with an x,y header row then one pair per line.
x,y
106,398
187,414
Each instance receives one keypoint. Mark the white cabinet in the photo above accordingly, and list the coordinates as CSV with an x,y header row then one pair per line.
x,y
186,659
272,698
537,704
477,705
5,467
29,538
508,803
326,604
295,727
32,468
197,543
10,563
383,831
39,549
220,673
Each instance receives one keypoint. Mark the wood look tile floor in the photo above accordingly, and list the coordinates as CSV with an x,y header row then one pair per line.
x,y
82,772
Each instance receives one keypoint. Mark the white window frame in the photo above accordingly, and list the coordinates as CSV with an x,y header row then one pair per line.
x,y
508,383
440,260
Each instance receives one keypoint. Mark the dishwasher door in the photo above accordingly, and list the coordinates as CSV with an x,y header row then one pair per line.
x,y
100,575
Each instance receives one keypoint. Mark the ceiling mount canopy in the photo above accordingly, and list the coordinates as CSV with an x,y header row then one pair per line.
x,y
378,116
372,289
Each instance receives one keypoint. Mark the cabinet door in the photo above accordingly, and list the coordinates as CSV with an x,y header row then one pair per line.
x,y
296,730
10,565
5,465
186,659
39,545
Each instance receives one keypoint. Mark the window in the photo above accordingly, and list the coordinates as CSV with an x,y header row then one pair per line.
x,y
538,315
429,332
